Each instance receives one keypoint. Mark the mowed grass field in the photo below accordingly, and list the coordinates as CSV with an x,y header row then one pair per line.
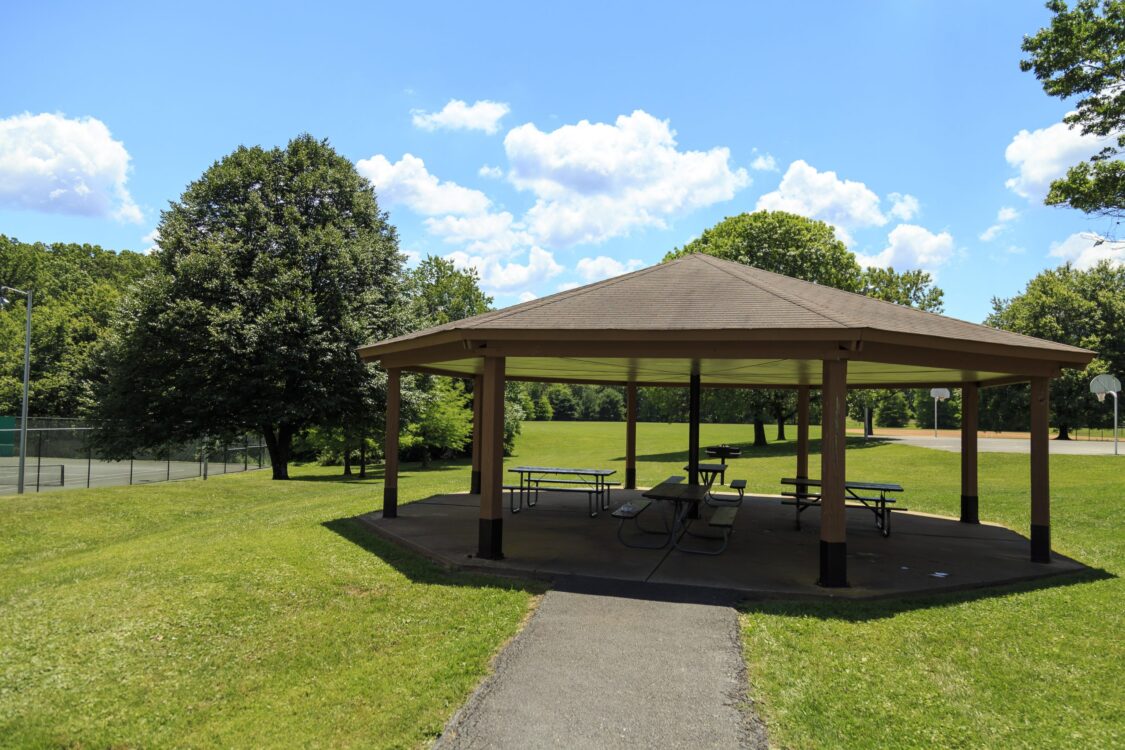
x,y
242,612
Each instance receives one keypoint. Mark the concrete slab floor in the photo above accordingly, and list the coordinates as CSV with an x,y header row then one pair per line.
x,y
767,556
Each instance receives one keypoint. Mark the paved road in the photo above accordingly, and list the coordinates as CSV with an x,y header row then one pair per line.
x,y
597,668
1008,445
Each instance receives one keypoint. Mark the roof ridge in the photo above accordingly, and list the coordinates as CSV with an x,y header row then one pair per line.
x,y
897,306
572,293
800,302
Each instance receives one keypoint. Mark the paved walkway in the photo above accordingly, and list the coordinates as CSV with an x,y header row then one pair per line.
x,y
597,667
1007,445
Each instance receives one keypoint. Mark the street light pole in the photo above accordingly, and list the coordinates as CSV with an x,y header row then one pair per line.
x,y
26,379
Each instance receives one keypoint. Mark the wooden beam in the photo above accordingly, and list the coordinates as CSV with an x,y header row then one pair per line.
x,y
478,415
1040,471
631,436
974,361
390,447
833,441
802,433
490,531
970,408
693,429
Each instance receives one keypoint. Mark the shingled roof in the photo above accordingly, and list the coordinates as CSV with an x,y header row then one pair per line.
x,y
702,298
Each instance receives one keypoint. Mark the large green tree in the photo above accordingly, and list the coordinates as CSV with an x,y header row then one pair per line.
x,y
440,292
77,288
806,249
1082,54
273,267
1081,308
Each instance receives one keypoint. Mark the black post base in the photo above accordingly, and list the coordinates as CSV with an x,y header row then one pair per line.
x,y
390,502
1040,543
833,564
969,506
474,483
490,537
631,479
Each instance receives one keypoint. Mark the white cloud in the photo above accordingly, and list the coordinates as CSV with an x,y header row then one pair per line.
x,y
1044,155
912,246
409,183
498,276
51,163
594,181
457,115
1085,250
566,286
845,204
486,233
527,296
151,241
604,267
493,173
903,207
764,163
1004,217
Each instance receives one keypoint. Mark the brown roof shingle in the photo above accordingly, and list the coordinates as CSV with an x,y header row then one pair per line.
x,y
702,293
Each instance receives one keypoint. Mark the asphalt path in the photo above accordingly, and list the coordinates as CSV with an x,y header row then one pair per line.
x,y
1007,445
606,665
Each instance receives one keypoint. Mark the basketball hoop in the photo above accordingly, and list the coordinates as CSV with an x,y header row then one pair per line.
x,y
938,394
1100,386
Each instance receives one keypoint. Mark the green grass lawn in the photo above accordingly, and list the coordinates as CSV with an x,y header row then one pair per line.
x,y
242,612
237,612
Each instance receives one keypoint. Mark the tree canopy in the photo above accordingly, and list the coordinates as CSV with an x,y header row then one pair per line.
x,y
273,267
781,242
77,289
1081,308
1082,54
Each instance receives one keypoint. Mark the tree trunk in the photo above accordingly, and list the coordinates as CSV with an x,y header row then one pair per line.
x,y
868,422
759,433
1064,432
347,461
781,428
279,442
425,457
362,457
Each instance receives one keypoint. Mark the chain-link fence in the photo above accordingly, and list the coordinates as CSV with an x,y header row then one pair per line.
x,y
60,455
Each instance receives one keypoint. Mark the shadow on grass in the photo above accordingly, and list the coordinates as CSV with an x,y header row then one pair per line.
x,y
416,567
376,472
856,611
773,450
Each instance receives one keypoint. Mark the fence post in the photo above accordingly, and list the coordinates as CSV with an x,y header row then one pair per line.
x,y
89,464
226,456
38,459
245,453
130,471
203,448
259,451
168,472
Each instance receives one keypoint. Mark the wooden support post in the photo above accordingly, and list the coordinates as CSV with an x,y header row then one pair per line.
x,y
390,447
490,531
1040,471
802,435
833,524
970,410
478,400
693,429
631,436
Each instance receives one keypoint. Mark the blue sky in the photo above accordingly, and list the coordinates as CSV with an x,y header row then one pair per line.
x,y
550,146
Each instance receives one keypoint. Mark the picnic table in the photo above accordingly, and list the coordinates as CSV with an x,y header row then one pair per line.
x,y
710,472
872,496
685,500
534,479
